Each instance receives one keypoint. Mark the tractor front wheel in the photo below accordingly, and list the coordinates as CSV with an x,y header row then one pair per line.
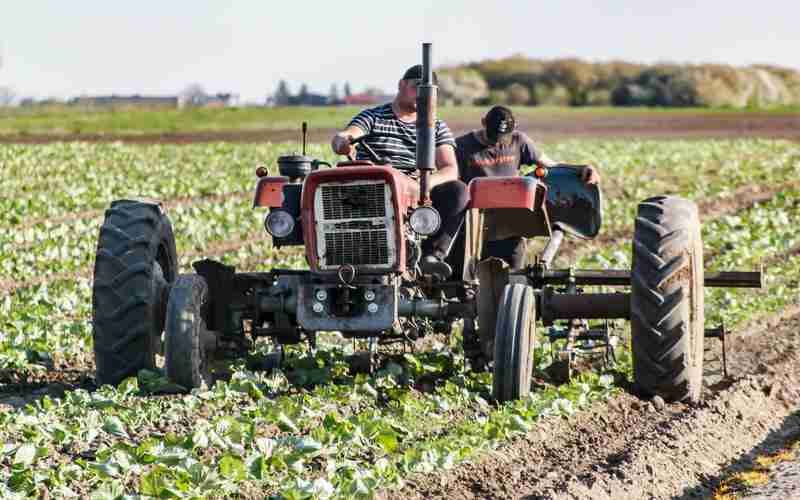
x,y
514,342
667,300
186,355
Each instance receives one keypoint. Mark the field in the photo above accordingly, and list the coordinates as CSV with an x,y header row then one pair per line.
x,y
422,426
282,124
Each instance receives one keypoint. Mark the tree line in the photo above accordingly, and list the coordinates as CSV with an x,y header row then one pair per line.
x,y
519,80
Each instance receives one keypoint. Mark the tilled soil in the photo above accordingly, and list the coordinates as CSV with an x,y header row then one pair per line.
x,y
630,448
664,125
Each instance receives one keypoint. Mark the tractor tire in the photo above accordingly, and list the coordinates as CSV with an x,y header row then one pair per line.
x,y
514,343
667,300
185,357
135,262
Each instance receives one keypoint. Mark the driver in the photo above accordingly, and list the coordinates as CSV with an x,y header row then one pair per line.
x,y
496,150
393,136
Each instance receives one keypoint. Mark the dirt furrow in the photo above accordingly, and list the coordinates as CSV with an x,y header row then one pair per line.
x,y
544,126
631,448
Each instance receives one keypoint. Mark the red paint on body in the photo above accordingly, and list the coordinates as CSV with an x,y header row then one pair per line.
x,y
269,192
507,192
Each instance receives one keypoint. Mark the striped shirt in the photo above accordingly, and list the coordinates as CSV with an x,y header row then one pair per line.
x,y
392,138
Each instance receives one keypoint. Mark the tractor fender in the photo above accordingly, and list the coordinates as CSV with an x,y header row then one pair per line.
x,y
507,192
512,206
269,192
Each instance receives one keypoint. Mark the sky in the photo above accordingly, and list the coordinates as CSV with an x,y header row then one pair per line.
x,y
63,49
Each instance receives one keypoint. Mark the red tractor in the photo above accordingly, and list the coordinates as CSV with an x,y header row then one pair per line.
x,y
361,224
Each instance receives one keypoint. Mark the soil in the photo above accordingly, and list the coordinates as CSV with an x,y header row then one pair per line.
x,y
552,127
631,448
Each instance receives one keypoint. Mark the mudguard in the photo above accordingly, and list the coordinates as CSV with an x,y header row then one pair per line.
x,y
269,192
573,206
512,206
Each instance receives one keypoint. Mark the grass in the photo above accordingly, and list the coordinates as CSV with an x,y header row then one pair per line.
x,y
61,120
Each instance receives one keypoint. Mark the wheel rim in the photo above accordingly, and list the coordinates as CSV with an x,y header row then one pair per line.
x,y
161,293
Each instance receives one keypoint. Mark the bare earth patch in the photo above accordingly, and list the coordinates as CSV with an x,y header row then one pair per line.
x,y
631,448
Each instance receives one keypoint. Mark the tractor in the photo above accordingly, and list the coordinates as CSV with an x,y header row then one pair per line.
x,y
361,224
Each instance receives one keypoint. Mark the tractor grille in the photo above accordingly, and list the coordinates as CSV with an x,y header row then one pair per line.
x,y
353,201
355,225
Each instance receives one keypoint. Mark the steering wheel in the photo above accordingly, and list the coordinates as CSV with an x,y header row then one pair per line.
x,y
371,152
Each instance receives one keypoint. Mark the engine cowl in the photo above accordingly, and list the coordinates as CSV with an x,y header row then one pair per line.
x,y
358,215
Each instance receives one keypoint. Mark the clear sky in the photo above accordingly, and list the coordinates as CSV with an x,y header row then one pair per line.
x,y
67,48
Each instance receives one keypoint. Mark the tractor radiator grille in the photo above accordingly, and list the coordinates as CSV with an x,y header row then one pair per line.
x,y
355,225
357,247
353,201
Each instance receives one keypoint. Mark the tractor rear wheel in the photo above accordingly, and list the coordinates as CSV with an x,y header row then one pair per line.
x,y
667,299
135,262
514,342
185,357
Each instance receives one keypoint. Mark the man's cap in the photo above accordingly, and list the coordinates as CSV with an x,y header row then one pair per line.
x,y
500,124
415,73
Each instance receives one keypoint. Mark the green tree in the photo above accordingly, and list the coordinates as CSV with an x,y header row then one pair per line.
x,y
282,95
462,86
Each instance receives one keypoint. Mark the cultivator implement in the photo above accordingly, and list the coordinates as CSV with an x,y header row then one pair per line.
x,y
577,307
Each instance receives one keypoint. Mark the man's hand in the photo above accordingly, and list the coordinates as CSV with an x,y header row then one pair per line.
x,y
341,144
590,175
342,141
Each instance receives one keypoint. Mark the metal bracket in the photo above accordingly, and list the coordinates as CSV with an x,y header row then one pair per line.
x,y
720,333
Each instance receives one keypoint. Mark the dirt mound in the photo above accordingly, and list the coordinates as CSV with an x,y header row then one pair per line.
x,y
631,448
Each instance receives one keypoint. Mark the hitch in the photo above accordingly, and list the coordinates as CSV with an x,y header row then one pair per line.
x,y
539,276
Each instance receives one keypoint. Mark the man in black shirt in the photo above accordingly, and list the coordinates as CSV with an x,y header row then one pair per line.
x,y
393,136
499,150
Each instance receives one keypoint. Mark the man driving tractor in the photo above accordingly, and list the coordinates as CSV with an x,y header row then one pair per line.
x,y
391,133
498,150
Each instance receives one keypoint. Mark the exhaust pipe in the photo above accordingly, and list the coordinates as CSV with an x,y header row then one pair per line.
x,y
426,124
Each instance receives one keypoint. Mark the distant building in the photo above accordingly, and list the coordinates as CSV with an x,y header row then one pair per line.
x,y
220,100
364,99
308,99
124,101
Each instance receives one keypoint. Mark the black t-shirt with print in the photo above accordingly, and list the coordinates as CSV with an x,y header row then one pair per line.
x,y
476,159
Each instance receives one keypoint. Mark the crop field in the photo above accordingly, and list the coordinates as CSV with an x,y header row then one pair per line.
x,y
314,430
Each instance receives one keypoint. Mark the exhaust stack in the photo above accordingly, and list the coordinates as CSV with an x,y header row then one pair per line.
x,y
426,124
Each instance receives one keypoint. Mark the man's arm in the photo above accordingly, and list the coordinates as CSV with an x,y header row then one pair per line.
x,y
589,173
446,165
341,141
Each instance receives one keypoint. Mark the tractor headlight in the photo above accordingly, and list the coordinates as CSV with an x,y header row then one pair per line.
x,y
279,223
425,221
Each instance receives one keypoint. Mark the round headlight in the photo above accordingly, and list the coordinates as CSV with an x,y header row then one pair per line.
x,y
425,221
279,223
